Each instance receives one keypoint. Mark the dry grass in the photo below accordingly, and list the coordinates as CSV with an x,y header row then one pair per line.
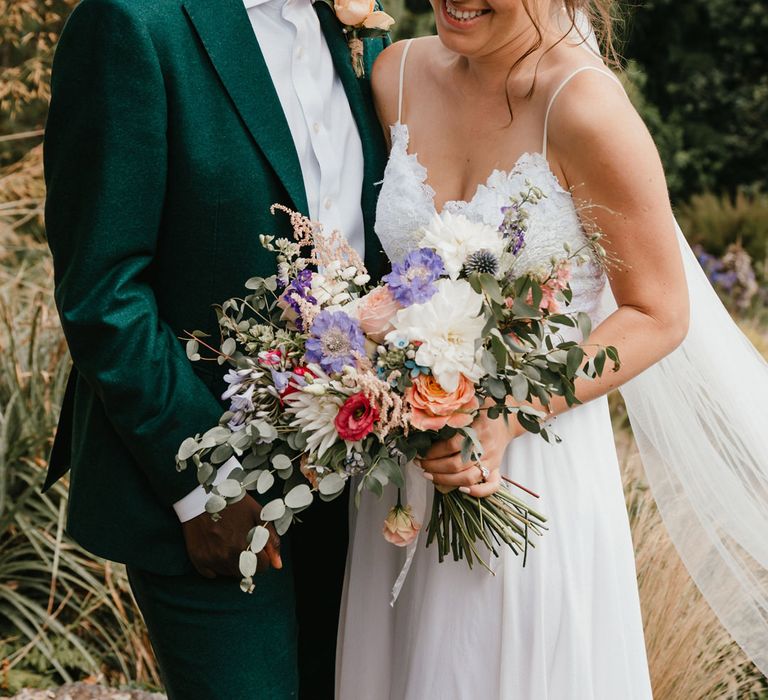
x,y
691,656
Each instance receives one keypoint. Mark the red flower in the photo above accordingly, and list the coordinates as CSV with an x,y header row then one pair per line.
x,y
356,417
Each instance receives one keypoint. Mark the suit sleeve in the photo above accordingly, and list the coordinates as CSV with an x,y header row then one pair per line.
x,y
106,166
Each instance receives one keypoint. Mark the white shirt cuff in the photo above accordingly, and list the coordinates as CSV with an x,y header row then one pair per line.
x,y
193,504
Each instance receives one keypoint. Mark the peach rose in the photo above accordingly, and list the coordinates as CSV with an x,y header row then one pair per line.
x,y
400,528
375,313
432,407
379,20
353,12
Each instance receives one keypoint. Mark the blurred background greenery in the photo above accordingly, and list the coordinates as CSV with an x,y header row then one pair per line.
x,y
697,71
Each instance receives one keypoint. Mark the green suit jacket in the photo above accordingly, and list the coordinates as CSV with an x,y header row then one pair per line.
x,y
166,145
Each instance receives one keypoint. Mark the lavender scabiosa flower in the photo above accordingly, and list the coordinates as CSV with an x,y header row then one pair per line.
x,y
413,280
336,339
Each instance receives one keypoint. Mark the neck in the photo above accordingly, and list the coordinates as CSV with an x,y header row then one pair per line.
x,y
520,53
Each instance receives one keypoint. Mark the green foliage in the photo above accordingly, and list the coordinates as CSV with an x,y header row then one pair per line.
x,y
716,222
704,72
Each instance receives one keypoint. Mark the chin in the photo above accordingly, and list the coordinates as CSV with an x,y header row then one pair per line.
x,y
465,37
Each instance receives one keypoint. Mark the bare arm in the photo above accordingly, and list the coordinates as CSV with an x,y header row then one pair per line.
x,y
610,161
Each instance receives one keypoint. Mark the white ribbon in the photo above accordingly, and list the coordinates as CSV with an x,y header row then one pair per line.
x,y
415,496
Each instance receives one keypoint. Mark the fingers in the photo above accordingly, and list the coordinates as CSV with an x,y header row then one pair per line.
x,y
487,488
273,549
468,477
445,448
446,465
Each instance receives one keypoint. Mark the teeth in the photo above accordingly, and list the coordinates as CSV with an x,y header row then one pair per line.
x,y
461,14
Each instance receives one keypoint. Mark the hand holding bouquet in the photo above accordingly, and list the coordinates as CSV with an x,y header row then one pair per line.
x,y
330,379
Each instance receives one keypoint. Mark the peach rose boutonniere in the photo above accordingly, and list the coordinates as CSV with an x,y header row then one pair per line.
x,y
360,20
433,407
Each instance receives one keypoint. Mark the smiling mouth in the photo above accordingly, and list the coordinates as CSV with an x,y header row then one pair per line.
x,y
459,15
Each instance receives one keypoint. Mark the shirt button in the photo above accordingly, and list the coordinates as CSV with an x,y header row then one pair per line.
x,y
316,127
328,203
300,52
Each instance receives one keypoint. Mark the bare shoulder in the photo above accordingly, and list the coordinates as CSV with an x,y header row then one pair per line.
x,y
593,117
385,78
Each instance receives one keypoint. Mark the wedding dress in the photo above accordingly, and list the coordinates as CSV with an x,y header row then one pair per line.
x,y
568,625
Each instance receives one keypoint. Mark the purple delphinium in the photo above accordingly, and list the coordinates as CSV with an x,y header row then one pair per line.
x,y
299,287
413,280
513,227
336,339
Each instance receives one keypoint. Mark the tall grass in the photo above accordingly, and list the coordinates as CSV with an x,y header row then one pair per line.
x,y
690,654
64,614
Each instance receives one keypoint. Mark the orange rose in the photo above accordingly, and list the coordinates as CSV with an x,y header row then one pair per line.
x,y
375,313
432,407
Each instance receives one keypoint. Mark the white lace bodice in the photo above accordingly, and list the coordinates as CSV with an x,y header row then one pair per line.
x,y
407,203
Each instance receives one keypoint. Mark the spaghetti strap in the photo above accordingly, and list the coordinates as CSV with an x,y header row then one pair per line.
x,y
559,89
402,75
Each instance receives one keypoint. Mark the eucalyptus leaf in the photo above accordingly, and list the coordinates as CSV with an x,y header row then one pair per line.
x,y
192,350
251,478
259,539
265,482
299,497
229,346
574,358
229,488
187,448
283,523
221,454
204,472
281,462
331,484
219,434
248,564
215,503
585,324
273,510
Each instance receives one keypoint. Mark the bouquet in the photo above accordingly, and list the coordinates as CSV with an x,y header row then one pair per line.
x,y
333,382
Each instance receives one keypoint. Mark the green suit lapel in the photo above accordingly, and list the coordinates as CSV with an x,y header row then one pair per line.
x,y
361,103
227,36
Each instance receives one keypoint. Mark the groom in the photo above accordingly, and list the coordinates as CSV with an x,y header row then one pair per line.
x,y
174,125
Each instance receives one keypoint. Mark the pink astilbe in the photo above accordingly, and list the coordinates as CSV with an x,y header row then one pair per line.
x,y
392,410
325,249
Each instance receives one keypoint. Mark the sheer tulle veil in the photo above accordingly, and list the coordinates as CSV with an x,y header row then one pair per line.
x,y
700,419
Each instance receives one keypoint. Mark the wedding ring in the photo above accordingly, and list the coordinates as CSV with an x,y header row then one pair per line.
x,y
485,473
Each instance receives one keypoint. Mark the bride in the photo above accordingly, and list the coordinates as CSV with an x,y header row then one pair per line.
x,y
513,91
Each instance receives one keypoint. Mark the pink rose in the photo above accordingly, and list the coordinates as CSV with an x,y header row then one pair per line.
x,y
355,418
432,407
375,313
400,528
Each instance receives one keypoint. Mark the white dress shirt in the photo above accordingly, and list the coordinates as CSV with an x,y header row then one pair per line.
x,y
323,130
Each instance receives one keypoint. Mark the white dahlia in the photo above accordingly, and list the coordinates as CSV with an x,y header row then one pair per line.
x,y
449,327
315,407
454,237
